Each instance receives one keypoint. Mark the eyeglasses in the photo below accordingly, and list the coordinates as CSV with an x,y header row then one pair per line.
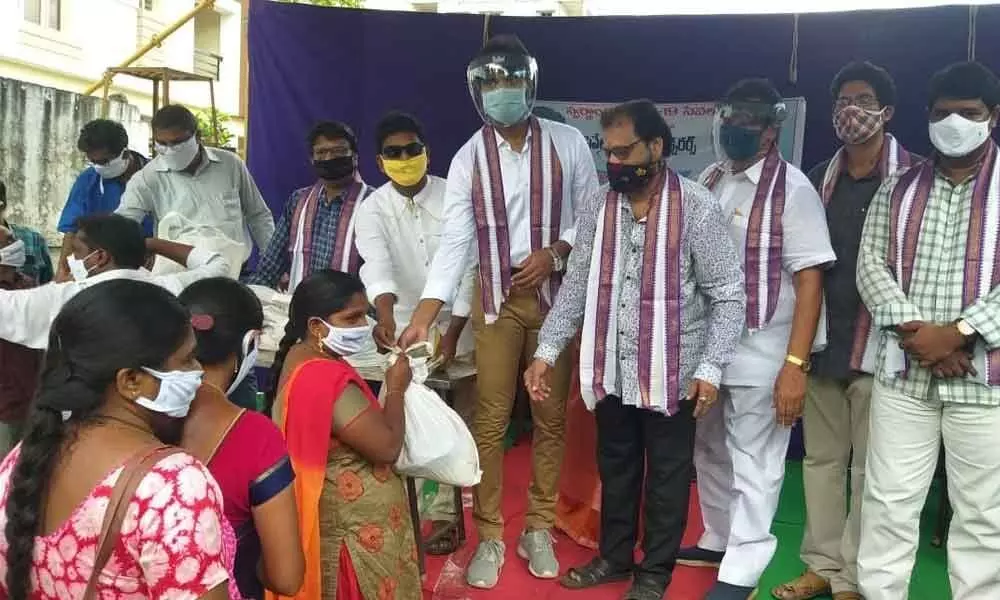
x,y
397,152
865,101
621,152
334,152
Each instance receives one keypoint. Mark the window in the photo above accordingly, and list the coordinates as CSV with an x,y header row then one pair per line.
x,y
46,13
149,5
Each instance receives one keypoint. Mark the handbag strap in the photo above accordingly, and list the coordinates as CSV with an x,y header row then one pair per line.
x,y
132,474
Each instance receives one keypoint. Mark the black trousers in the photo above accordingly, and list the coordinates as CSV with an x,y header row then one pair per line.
x,y
633,445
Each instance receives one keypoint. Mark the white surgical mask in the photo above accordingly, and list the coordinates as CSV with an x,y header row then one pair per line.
x,y
345,341
248,359
177,392
115,167
78,266
179,156
13,255
956,136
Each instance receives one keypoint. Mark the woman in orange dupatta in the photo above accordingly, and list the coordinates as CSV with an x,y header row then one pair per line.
x,y
356,532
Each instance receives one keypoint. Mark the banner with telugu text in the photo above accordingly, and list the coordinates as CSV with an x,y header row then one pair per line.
x,y
691,126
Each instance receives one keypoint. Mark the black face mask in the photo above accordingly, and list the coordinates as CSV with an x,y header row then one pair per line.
x,y
626,179
334,169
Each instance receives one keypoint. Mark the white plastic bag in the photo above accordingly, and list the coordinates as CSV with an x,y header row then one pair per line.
x,y
437,445
175,227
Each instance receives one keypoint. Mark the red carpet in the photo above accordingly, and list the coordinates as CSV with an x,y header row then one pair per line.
x,y
446,582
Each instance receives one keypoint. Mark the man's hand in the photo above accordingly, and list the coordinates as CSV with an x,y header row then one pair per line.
x,y
704,394
536,380
385,333
931,343
534,270
447,348
413,334
789,394
956,364
62,273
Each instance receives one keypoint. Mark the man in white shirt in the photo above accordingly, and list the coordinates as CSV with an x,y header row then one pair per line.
x,y
514,188
778,224
207,187
397,232
105,247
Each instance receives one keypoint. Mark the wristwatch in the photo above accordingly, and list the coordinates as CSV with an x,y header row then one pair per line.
x,y
966,331
558,264
805,365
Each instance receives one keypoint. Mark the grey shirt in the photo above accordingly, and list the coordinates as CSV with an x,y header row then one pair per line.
x,y
220,194
713,298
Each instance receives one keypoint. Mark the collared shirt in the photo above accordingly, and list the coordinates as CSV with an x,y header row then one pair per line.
x,y
805,244
26,315
277,259
221,194
456,250
93,195
397,238
19,368
712,296
38,261
935,287
845,217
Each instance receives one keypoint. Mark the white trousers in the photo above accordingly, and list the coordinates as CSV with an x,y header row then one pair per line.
x,y
740,454
903,445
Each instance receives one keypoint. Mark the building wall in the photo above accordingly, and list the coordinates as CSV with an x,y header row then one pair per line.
x,y
96,34
39,161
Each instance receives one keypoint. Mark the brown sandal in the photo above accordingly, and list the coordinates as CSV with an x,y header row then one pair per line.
x,y
807,586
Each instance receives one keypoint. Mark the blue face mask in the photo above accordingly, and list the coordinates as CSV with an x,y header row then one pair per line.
x,y
739,143
506,105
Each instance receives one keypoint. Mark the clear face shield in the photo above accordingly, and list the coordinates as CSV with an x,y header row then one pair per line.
x,y
503,87
737,128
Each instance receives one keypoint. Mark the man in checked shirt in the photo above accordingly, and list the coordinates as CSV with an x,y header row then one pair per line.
x,y
929,272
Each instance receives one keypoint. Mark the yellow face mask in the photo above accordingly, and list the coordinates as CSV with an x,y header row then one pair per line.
x,y
406,172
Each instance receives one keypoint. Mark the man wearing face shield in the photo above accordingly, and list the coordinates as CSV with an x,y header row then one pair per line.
x,y
37,264
835,416
209,187
929,272
316,228
655,283
515,188
98,189
777,222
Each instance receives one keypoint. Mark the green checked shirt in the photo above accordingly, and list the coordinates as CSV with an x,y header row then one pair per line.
x,y
935,287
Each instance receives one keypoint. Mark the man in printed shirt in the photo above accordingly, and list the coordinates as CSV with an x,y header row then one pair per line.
x,y
929,272
515,188
777,222
98,189
646,373
37,261
835,417
398,229
208,187
316,228
18,365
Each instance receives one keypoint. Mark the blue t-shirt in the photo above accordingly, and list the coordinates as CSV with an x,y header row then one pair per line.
x,y
92,195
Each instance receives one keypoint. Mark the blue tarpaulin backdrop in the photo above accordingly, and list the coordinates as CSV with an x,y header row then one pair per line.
x,y
309,63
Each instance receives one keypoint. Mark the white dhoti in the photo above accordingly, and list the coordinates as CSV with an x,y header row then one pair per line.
x,y
740,457
904,440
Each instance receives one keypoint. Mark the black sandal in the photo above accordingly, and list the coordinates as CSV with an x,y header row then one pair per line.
x,y
444,544
645,588
596,572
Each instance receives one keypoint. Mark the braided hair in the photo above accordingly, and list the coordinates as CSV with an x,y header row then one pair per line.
x,y
115,325
319,295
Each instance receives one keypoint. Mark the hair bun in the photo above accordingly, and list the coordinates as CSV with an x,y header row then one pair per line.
x,y
202,322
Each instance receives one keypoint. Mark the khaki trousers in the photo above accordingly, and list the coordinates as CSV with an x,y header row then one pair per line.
x,y
835,426
503,349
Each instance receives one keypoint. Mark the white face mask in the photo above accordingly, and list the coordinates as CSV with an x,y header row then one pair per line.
x,y
13,255
177,392
78,266
115,167
248,359
956,136
179,156
345,341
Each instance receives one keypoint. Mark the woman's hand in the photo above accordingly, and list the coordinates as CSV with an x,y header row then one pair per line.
x,y
397,377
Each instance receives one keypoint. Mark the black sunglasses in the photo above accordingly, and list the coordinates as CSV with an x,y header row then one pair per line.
x,y
396,152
